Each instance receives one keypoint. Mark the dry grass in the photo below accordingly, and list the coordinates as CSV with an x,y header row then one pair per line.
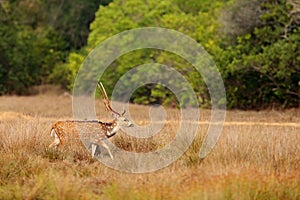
x,y
257,157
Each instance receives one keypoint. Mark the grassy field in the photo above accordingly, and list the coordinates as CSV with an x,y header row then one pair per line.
x,y
257,157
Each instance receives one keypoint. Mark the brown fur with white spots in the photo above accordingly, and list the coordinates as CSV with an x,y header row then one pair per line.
x,y
96,132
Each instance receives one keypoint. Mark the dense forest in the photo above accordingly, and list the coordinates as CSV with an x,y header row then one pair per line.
x,y
254,43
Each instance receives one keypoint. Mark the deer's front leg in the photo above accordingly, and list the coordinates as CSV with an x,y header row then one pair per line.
x,y
94,148
103,143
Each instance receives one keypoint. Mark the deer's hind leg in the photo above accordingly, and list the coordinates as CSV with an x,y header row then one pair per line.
x,y
56,141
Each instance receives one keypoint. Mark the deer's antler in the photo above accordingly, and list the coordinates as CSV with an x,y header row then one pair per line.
x,y
105,98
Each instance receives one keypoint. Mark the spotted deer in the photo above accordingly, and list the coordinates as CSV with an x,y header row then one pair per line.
x,y
93,131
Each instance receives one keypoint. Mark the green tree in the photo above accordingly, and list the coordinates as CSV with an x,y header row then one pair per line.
x,y
28,53
123,15
71,19
263,65
36,37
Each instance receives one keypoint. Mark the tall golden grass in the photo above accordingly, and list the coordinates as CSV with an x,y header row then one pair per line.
x,y
257,157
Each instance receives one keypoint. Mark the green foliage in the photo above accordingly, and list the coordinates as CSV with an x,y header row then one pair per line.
x,y
264,67
119,16
71,19
254,43
36,37
27,53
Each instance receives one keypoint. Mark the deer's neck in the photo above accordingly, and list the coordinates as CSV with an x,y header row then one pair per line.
x,y
112,129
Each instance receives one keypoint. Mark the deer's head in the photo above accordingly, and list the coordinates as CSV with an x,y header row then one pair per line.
x,y
122,120
119,118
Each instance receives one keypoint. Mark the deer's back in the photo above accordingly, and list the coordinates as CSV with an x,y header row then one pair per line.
x,y
74,130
